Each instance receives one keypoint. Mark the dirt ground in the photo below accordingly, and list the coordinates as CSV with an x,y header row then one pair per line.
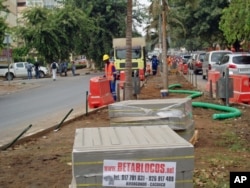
x,y
45,160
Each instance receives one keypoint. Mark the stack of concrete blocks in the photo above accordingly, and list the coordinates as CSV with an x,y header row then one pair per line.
x,y
176,113
132,143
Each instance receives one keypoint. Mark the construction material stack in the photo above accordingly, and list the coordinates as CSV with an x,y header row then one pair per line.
x,y
176,113
131,156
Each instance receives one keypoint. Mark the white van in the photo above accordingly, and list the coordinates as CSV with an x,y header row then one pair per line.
x,y
210,59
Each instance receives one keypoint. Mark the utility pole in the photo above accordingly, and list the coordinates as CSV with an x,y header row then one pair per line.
x,y
7,41
164,45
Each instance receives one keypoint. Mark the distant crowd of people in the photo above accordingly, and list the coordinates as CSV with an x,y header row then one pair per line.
x,y
62,68
55,68
30,67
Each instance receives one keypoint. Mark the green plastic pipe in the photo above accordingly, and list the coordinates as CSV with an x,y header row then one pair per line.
x,y
172,86
233,112
193,94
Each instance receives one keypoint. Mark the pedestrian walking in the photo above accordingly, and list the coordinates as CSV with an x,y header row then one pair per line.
x,y
110,74
54,67
29,70
73,68
37,67
64,68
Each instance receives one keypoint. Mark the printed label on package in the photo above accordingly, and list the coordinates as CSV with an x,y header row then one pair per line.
x,y
139,174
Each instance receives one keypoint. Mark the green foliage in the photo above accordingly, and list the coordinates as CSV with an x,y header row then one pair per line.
x,y
3,27
193,24
53,33
109,18
235,21
39,32
202,23
80,27
19,54
176,21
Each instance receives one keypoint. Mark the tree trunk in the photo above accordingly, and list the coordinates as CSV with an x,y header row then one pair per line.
x,y
164,45
128,67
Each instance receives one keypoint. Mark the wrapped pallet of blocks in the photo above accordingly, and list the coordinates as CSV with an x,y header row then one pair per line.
x,y
176,113
136,156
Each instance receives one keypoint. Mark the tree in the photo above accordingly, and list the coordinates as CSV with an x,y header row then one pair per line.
x,y
128,71
175,26
108,16
39,32
53,33
235,21
202,23
75,27
192,23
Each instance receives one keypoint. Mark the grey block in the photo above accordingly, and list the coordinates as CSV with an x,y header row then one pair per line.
x,y
140,143
176,113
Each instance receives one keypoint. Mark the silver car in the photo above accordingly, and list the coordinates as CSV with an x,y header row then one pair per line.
x,y
237,63
210,59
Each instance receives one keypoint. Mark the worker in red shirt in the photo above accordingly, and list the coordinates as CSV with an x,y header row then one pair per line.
x,y
110,74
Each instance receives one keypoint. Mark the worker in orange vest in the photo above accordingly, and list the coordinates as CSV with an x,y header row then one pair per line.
x,y
110,74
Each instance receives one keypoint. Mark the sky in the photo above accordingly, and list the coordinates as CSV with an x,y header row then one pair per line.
x,y
146,2
140,29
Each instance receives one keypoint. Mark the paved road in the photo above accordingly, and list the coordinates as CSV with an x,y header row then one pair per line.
x,y
44,106
196,80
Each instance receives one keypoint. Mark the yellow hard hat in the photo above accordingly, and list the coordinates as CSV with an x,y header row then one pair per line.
x,y
105,57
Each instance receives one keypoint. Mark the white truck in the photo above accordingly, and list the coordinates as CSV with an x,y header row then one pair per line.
x,y
18,70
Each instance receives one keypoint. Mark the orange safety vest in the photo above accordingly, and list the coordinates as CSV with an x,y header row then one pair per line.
x,y
109,71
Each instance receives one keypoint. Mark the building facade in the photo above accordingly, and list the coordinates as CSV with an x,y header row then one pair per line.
x,y
11,16
17,6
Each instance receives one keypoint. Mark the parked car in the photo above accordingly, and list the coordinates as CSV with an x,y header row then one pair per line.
x,y
195,63
210,59
18,70
185,58
237,63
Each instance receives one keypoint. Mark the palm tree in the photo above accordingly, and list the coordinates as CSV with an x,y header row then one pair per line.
x,y
155,10
128,71
172,19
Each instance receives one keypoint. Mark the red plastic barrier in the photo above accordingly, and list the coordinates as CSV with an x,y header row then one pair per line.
x,y
213,76
180,67
185,68
99,94
241,89
148,69
122,79
141,75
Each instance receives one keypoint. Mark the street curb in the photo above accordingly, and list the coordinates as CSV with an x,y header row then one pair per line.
x,y
40,133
